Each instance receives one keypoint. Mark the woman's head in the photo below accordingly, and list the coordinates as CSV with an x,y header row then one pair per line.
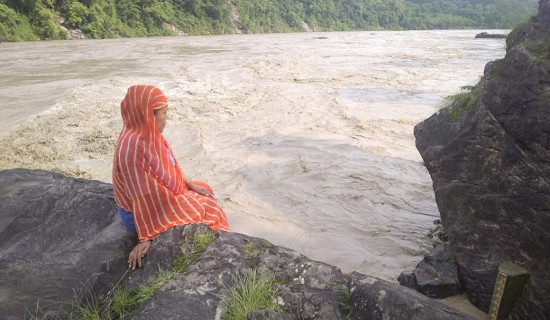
x,y
139,105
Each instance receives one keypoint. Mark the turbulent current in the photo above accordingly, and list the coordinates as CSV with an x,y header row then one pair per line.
x,y
307,138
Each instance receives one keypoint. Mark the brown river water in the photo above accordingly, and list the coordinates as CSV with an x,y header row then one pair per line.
x,y
306,138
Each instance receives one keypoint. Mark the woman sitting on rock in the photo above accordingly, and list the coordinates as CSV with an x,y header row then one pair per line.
x,y
151,191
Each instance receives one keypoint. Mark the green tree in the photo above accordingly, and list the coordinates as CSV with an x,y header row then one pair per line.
x,y
77,15
14,27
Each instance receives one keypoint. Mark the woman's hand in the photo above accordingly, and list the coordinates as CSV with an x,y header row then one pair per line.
x,y
198,189
139,252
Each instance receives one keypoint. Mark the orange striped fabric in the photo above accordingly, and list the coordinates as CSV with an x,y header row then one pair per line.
x,y
146,182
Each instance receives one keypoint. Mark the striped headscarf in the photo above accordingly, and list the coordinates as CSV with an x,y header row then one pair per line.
x,y
145,180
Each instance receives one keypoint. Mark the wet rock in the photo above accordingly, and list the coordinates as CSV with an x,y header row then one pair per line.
x,y
435,276
489,164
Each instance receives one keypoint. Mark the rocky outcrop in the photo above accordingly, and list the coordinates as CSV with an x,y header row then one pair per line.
x,y
72,34
485,35
488,155
59,241
62,243
436,276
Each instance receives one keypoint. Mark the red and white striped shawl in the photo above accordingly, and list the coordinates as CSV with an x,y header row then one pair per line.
x,y
145,181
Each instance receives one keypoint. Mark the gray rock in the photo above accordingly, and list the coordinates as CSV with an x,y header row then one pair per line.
x,y
435,276
267,315
490,169
484,35
61,240
308,289
375,299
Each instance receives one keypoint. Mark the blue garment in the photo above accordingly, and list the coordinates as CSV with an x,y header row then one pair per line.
x,y
127,219
171,157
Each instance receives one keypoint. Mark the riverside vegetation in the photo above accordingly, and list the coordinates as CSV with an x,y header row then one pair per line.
x,y
23,20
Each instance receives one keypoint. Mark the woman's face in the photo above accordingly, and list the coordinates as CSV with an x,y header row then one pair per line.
x,y
160,117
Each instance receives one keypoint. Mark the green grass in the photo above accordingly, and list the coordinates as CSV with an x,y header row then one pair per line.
x,y
266,244
437,234
204,239
250,250
76,309
249,292
496,69
539,50
126,302
462,102
345,304
200,241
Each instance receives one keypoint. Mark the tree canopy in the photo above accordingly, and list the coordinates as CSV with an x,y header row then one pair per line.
x,y
48,19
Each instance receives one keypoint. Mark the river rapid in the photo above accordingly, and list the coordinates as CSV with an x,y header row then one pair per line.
x,y
306,138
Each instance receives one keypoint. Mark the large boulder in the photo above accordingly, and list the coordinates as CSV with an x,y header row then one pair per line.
x,y
488,156
63,245
60,241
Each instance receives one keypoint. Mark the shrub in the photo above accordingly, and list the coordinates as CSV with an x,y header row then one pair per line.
x,y
77,15
45,25
437,234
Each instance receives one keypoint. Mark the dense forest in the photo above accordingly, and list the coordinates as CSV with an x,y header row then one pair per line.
x,y
22,20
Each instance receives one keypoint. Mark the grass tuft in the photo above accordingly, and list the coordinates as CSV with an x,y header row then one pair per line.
x,y
126,302
250,250
266,244
345,304
201,241
249,292
437,234
77,309
462,102
539,50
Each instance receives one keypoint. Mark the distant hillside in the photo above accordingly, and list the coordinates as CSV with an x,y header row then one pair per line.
x,y
22,20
